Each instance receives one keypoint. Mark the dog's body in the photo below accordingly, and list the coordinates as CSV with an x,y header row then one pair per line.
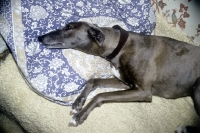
x,y
145,66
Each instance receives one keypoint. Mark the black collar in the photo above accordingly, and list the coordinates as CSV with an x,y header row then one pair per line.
x,y
123,38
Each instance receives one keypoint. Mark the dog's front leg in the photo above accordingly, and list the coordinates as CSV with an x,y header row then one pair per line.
x,y
90,86
130,95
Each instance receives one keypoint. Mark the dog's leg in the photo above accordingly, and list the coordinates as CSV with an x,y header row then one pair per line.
x,y
196,100
130,95
91,85
196,95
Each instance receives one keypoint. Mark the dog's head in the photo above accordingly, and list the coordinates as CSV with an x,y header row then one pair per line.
x,y
75,35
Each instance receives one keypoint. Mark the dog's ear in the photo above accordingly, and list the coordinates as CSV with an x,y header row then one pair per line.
x,y
97,35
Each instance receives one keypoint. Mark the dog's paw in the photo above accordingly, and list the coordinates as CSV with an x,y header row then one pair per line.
x,y
73,112
181,129
73,123
187,129
77,105
78,119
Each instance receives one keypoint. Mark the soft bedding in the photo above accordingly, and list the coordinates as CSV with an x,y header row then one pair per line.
x,y
32,113
56,74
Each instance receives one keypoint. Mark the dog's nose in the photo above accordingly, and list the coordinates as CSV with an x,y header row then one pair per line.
x,y
40,38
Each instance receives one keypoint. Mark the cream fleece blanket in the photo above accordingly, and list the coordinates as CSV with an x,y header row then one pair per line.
x,y
27,111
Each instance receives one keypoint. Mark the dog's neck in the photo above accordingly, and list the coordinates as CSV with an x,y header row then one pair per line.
x,y
112,45
122,40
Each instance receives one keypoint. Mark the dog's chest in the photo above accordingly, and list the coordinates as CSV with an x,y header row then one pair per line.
x,y
116,72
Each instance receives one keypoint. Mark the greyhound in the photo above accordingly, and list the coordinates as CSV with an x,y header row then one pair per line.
x,y
143,65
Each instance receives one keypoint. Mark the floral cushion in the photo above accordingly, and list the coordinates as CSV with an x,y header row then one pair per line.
x,y
60,74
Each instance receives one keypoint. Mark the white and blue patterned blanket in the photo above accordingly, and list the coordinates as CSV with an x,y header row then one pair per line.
x,y
56,74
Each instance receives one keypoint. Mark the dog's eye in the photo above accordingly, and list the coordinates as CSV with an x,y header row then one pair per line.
x,y
68,27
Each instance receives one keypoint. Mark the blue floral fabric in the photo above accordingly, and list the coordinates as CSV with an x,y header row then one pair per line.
x,y
48,70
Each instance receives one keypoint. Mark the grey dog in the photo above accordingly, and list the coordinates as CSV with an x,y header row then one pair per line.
x,y
144,65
